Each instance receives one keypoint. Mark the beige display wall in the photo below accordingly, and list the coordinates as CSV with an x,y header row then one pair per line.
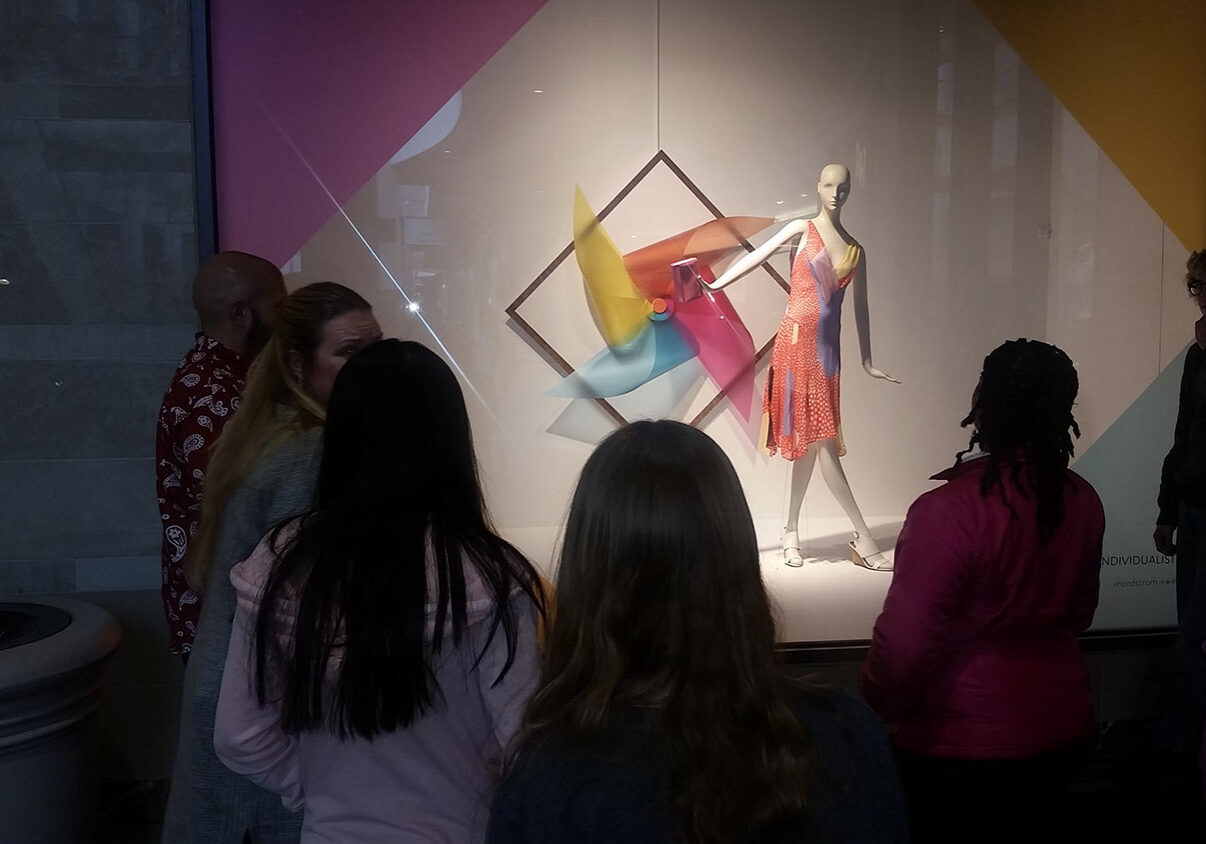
x,y
985,211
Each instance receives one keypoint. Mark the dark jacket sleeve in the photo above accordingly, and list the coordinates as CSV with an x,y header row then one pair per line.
x,y
1169,499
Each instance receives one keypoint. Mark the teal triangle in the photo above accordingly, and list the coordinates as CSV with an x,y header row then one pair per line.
x,y
1123,465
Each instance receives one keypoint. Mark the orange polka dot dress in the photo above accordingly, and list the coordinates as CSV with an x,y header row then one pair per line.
x,y
802,403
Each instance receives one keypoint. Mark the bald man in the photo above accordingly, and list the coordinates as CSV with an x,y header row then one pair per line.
x,y
235,296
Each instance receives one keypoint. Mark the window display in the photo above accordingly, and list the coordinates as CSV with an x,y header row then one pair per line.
x,y
537,237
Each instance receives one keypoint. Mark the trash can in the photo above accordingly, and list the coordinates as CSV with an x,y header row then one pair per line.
x,y
53,655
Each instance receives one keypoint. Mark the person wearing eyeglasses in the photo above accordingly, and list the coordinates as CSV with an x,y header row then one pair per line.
x,y
1181,532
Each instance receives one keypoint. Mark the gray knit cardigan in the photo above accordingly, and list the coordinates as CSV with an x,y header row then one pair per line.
x,y
209,804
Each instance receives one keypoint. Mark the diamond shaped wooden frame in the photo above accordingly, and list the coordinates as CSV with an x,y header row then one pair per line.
x,y
535,336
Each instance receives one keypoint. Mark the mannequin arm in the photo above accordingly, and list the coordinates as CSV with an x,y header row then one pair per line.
x,y
753,260
862,321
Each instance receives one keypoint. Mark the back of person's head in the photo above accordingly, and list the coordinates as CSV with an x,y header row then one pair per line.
x,y
659,559
1022,413
398,436
235,295
381,561
1195,270
660,604
274,406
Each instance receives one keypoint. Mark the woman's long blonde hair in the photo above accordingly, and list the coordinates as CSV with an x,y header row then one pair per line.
x,y
259,423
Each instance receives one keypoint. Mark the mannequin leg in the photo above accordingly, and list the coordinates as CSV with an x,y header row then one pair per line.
x,y
835,479
801,473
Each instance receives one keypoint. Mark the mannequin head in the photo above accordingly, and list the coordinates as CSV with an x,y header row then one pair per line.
x,y
833,188
1195,278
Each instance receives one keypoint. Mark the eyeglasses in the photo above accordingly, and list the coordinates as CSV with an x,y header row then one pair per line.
x,y
1195,285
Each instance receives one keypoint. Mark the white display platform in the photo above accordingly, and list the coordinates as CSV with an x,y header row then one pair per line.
x,y
827,599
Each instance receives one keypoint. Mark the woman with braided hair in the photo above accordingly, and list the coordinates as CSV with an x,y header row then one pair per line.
x,y
974,659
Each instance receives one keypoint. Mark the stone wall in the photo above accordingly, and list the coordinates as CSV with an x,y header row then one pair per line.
x,y
97,247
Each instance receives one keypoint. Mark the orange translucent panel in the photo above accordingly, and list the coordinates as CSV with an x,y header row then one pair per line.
x,y
649,267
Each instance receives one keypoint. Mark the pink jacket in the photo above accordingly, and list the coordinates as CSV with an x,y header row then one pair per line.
x,y
975,654
431,781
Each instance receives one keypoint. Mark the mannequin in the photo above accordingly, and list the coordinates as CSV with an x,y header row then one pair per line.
x,y
801,402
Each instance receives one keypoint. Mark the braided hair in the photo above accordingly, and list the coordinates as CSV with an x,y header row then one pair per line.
x,y
1022,416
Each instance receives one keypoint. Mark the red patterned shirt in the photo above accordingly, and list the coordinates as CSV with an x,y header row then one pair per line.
x,y
202,397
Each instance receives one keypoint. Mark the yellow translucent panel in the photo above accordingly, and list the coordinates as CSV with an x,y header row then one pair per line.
x,y
618,307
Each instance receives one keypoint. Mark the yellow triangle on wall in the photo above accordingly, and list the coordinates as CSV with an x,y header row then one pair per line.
x,y
1133,73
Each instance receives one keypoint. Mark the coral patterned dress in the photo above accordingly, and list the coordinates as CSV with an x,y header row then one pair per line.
x,y
801,405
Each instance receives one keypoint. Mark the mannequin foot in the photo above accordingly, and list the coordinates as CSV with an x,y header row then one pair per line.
x,y
791,549
864,552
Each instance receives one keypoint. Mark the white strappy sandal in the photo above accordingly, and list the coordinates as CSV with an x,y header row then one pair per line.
x,y
791,549
875,560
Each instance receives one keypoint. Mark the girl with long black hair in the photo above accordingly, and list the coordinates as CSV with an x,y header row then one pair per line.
x,y
975,660
385,642
663,713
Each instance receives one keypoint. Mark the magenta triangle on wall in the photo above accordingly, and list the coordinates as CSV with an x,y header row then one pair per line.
x,y
311,98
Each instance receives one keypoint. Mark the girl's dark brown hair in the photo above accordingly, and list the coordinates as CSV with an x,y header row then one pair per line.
x,y
660,604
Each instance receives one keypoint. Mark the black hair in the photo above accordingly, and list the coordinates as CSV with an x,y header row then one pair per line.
x,y
397,485
1022,413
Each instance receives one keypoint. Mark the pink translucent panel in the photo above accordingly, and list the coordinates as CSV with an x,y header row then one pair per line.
x,y
725,347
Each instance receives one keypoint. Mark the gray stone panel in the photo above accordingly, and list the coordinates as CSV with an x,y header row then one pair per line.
x,y
48,100
132,146
118,574
129,197
29,100
43,46
31,190
144,343
36,577
80,409
96,273
128,102
73,509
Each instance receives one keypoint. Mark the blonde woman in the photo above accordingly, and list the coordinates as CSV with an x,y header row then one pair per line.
x,y
262,470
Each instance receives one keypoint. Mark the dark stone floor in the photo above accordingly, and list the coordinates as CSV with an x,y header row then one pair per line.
x,y
1126,793
132,812
1129,793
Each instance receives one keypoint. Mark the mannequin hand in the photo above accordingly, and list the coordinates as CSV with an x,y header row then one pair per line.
x,y
1164,540
879,373
1199,332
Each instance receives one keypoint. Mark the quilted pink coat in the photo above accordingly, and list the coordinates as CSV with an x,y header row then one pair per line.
x,y
975,654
